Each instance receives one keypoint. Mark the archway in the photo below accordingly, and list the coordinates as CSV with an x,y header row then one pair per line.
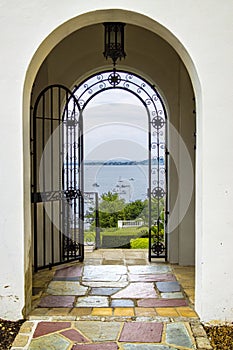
x,y
182,74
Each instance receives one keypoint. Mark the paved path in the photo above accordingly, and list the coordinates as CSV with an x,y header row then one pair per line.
x,y
113,301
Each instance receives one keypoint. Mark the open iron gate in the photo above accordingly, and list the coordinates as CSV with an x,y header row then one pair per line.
x,y
57,185
57,172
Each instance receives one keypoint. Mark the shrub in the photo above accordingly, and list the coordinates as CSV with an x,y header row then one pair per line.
x,y
139,243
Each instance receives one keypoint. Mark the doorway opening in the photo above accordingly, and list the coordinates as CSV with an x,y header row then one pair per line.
x,y
58,192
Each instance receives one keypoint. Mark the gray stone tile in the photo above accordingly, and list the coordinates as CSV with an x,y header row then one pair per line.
x,y
92,301
66,288
104,291
99,331
99,346
146,347
177,334
168,286
175,295
122,282
104,273
122,303
50,342
113,262
137,290
149,269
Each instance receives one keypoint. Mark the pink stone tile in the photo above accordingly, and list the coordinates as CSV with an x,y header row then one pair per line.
x,y
74,335
57,301
44,328
141,332
137,290
162,302
103,346
164,277
72,271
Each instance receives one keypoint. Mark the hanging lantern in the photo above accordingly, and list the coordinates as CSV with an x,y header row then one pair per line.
x,y
114,41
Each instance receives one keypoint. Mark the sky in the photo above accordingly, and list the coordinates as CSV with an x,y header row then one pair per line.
x,y
115,126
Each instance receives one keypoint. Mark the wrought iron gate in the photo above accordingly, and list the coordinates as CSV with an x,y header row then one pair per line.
x,y
57,185
57,171
157,145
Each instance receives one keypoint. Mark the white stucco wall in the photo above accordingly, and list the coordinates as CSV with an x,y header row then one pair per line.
x,y
205,30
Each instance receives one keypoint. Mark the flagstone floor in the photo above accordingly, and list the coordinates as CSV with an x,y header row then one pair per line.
x,y
114,300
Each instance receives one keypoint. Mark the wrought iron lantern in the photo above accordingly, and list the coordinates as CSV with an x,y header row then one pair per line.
x,y
114,41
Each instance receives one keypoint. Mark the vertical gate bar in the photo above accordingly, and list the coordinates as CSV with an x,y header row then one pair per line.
x,y
34,121
51,173
81,187
72,186
97,223
43,189
67,216
158,181
149,182
75,178
59,169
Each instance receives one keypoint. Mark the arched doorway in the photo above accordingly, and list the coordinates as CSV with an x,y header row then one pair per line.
x,y
176,95
57,158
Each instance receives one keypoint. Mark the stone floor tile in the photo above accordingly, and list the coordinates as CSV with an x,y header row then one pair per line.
x,y
71,271
40,311
174,295
54,341
145,311
141,332
113,262
67,278
152,277
162,302
146,347
149,269
44,328
136,262
20,341
198,330
82,311
75,336
104,291
57,311
122,303
203,343
121,283
66,288
90,261
26,327
102,311
167,312
57,301
104,346
103,273
123,311
92,301
177,334
186,312
99,331
137,290
166,287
